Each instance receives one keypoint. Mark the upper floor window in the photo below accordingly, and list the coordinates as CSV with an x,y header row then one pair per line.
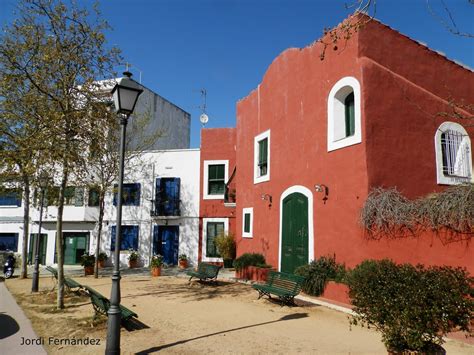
x,y
344,119
167,197
453,154
93,197
130,194
10,197
215,177
74,196
262,157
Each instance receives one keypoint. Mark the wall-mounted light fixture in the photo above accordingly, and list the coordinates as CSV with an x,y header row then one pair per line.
x,y
267,197
323,189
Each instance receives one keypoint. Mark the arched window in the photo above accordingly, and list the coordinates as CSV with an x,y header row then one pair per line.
x,y
344,121
453,154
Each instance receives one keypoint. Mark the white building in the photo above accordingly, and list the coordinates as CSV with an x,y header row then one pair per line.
x,y
163,220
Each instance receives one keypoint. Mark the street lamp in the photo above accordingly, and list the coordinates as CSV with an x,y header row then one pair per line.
x,y
125,95
43,181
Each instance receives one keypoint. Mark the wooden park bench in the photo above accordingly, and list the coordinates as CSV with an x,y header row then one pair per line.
x,y
285,286
70,283
205,272
101,305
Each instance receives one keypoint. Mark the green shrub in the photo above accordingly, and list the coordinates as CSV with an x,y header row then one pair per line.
x,y
249,259
318,272
412,306
225,244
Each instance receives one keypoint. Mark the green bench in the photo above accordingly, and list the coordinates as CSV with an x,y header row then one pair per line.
x,y
205,272
101,305
70,283
285,286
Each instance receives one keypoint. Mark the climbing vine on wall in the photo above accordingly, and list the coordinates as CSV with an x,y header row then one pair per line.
x,y
388,214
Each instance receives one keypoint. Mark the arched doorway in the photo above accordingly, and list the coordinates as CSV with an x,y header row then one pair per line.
x,y
294,232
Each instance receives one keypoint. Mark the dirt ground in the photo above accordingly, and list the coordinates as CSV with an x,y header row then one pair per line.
x,y
198,319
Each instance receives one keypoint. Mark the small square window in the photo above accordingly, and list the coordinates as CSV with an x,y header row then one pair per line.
x,y
129,238
247,222
216,179
130,195
215,175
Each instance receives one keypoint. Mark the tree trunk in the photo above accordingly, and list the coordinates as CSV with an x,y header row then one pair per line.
x,y
26,226
99,231
60,239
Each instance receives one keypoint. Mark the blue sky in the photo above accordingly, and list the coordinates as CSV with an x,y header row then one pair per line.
x,y
225,46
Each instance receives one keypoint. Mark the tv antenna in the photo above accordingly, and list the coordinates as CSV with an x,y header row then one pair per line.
x,y
129,65
203,118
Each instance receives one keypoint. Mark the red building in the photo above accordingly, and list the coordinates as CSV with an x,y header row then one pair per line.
x,y
316,136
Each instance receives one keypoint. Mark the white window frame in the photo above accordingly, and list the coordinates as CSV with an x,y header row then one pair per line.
x,y
245,211
440,177
256,178
205,221
336,114
205,184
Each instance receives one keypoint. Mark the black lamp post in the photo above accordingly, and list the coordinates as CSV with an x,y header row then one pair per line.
x,y
125,95
35,281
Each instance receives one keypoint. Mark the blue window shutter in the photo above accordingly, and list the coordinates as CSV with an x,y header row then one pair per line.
x,y
136,189
115,191
177,184
135,237
113,232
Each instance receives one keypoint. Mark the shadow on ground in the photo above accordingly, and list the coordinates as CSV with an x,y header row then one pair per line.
x,y
191,292
8,327
165,346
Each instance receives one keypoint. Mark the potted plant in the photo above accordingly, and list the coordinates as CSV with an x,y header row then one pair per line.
x,y
88,262
156,264
225,244
133,259
183,261
412,306
102,258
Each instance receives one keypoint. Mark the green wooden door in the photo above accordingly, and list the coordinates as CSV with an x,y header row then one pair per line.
x,y
294,243
75,245
42,248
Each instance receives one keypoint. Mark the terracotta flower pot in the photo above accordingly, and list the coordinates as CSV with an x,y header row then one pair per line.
x,y
183,264
88,270
101,264
156,271
132,264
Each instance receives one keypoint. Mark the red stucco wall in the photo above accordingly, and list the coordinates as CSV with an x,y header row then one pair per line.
x,y
216,144
403,87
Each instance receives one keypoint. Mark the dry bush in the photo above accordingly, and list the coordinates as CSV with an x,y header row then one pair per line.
x,y
387,213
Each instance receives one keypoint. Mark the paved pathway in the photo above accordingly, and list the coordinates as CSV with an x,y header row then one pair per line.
x,y
14,327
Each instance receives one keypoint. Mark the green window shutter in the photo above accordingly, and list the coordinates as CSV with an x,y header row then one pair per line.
x,y
349,115
79,196
69,194
247,223
263,151
263,156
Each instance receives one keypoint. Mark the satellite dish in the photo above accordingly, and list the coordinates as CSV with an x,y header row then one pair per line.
x,y
203,118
